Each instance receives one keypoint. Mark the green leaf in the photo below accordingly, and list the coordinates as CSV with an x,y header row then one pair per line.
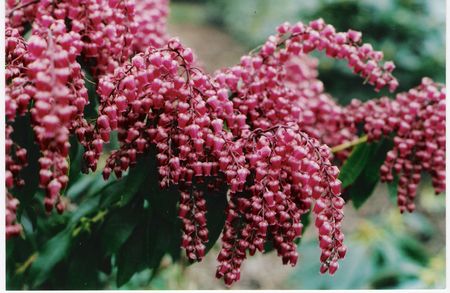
x,y
51,253
362,188
136,178
392,190
132,255
127,187
111,193
157,228
117,228
86,207
81,185
164,230
90,111
83,265
23,135
216,203
159,239
76,161
356,163
306,220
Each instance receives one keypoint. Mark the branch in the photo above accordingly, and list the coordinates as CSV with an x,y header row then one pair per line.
x,y
21,269
349,144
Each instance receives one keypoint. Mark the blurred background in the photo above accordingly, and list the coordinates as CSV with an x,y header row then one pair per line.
x,y
386,249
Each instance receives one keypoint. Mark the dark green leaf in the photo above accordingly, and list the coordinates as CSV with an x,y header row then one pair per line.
x,y
216,204
392,190
156,230
90,111
88,206
164,230
111,193
76,161
136,178
81,185
50,254
83,264
132,255
356,163
127,187
117,228
23,135
363,186
362,190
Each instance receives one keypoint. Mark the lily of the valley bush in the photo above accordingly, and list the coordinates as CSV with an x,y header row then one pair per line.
x,y
265,129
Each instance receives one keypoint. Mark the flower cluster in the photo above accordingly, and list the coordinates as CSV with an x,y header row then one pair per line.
x,y
59,96
17,100
149,101
192,212
270,87
159,98
12,227
16,103
275,175
417,120
20,12
111,30
47,72
15,160
107,27
150,18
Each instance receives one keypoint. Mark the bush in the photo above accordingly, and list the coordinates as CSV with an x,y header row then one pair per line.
x,y
250,154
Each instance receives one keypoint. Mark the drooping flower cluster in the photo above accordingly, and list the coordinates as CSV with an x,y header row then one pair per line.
x,y
275,175
111,30
192,212
321,115
12,227
271,87
158,97
15,160
16,103
150,18
47,72
19,13
161,99
16,100
107,27
417,120
59,95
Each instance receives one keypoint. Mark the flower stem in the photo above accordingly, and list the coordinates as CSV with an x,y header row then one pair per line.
x,y
21,269
348,144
